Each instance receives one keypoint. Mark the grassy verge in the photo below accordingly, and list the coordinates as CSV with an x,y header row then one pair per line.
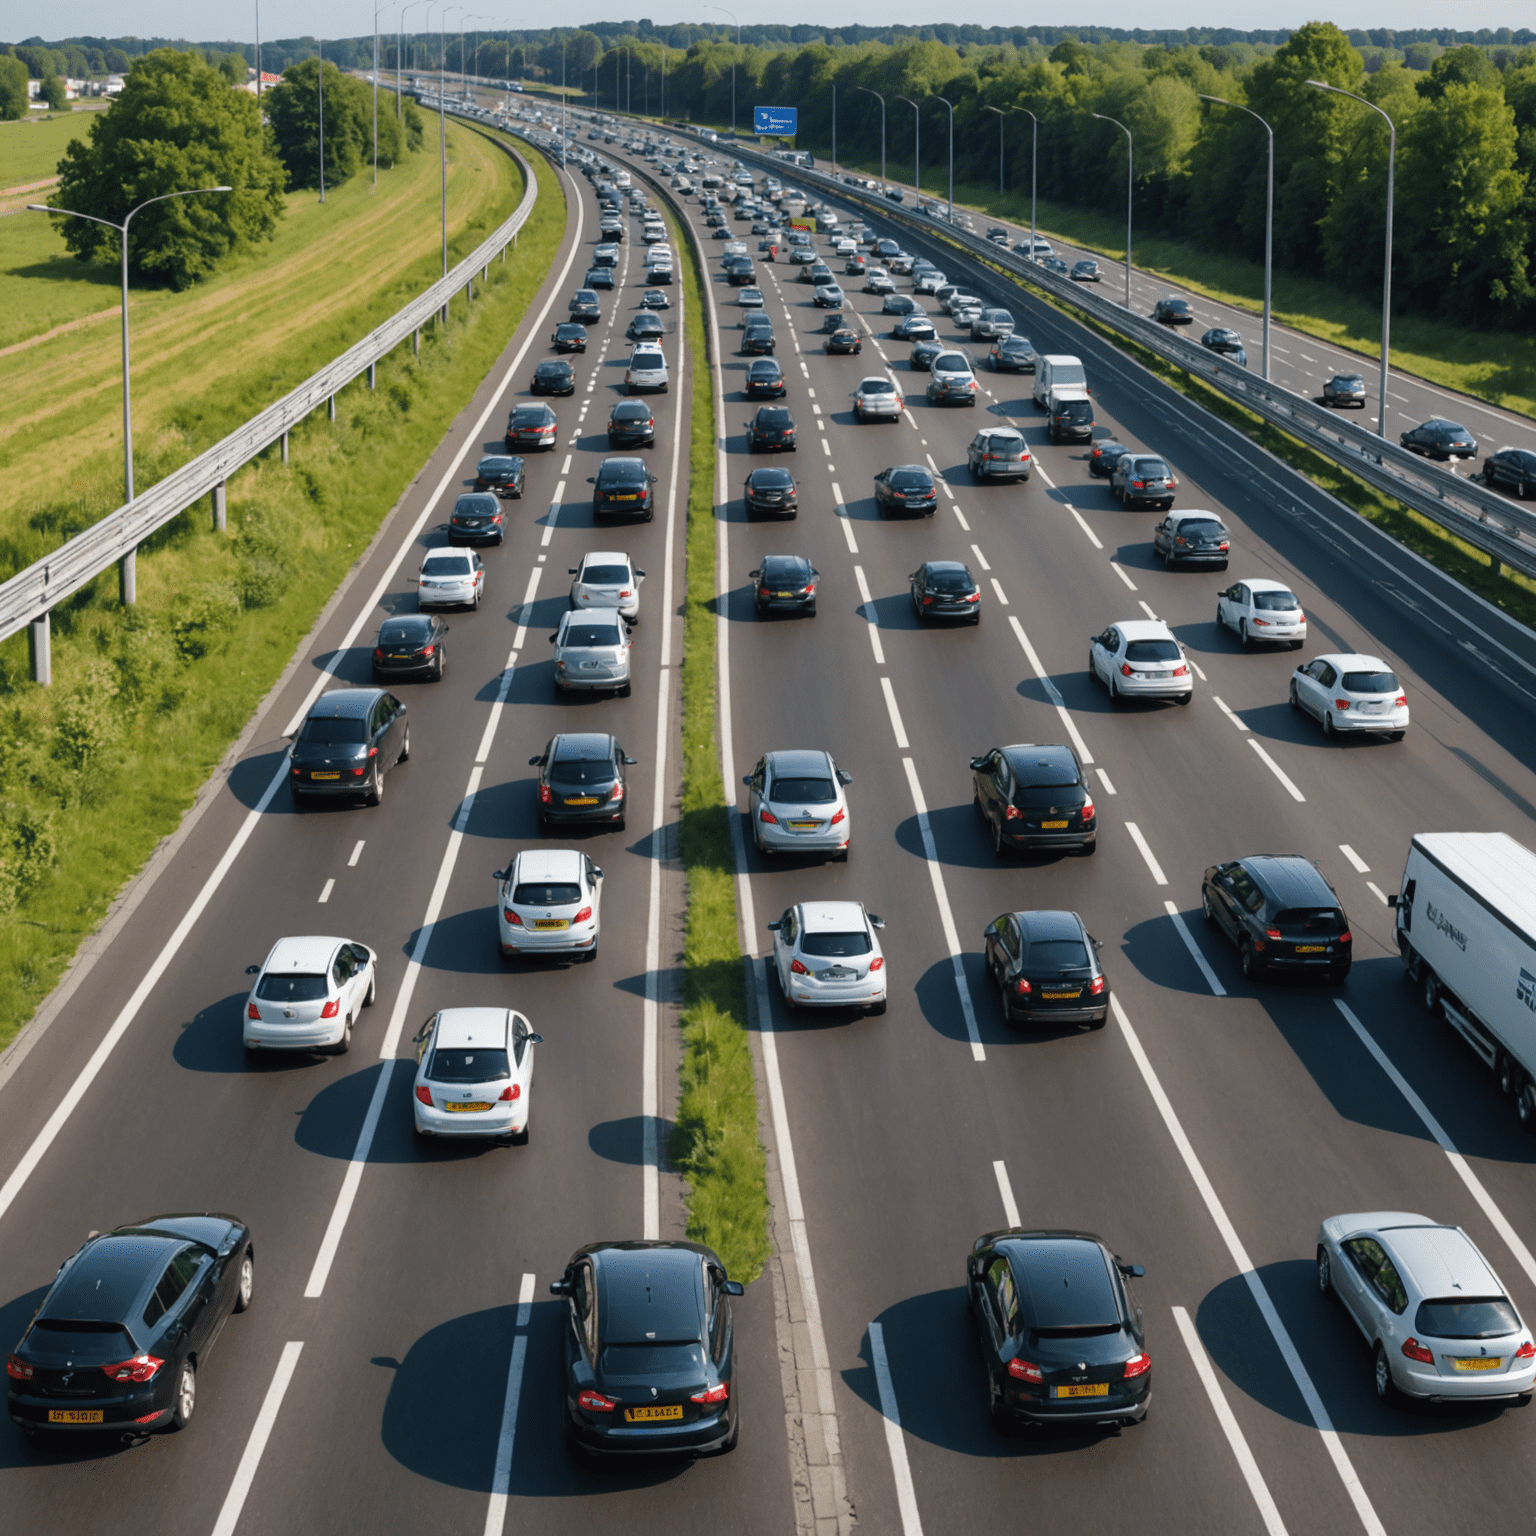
x,y
30,149
715,1143
97,769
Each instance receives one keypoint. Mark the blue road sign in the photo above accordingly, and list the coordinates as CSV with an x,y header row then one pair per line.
x,y
778,122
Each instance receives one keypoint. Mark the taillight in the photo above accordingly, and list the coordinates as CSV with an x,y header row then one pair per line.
x,y
139,1368
378,654
252,1011
1088,812
1223,545
584,916
1416,1351
1181,671
1139,1364
927,600
616,793
1096,986
429,650
1125,669
19,1370
625,594
331,1009
512,1094
975,597
595,1402
1341,703
424,1094
1022,987
1271,933
1527,1351
713,1394
546,794
839,815
766,815
1262,623
877,962
512,917
1346,937
799,968
1025,1370
1013,813
1138,485
1402,698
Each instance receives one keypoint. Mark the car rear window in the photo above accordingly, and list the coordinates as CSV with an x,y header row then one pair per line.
x,y
772,479
289,988
631,410
912,479
529,416
573,774
1204,528
803,791
80,1342
1312,919
1059,953
835,946
651,1364
951,362
1275,602
334,733
605,575
546,893
481,504
404,634
785,573
1150,469
1074,410
582,635
446,565
1474,1318
455,1065
1037,797
1153,650
950,581
879,387
1370,682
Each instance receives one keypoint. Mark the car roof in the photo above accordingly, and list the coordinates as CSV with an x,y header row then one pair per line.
x,y
1028,760
1003,432
1143,629
622,464
590,616
796,762
1347,661
1264,584
109,1275
603,557
1290,879
486,1027
547,864
495,460
936,566
344,703
581,746
1442,1261
800,561
308,956
1193,514
832,916
1062,1280
408,622
650,1294
1040,926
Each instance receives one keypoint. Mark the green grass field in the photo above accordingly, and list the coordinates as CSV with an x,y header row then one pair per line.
x,y
30,149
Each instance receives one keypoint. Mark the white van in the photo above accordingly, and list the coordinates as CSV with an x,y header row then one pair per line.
x,y
1058,370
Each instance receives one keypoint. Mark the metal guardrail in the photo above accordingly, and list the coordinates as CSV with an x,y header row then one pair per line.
x,y
1502,529
29,595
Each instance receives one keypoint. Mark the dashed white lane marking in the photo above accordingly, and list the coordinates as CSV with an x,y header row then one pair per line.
x,y
826,447
567,469
526,612
981,559
908,414
1277,770
508,672
1195,668
1093,538
261,1432
501,1474
1147,610
325,893
1228,713
1376,891
997,587
1119,571
554,514
1005,1189
1141,843
357,853
1109,788
873,616
895,714
1052,691
1194,949
1361,867
895,1443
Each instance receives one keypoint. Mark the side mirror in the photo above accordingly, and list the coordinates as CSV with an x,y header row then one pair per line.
x,y
844,777
534,762
1131,1271
629,762
559,1287
255,970
591,479
977,764
1394,901
876,922
535,1039
571,570
639,575
422,1033
498,874
1098,944
597,874
553,638
734,1288
774,926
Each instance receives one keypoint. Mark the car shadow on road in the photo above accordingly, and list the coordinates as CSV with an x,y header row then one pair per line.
x,y
503,811
623,1141
464,943
1154,949
252,776
212,1041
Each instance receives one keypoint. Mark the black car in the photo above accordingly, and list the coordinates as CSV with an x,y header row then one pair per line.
x,y
582,779
785,584
836,321
1281,914
1062,1340
599,277
1071,418
1440,439
554,376
531,426
128,1324
1512,467
899,304
771,491
569,336
349,740
411,645
757,336
816,273
740,272
923,354
1046,969
501,473
584,307
1142,479
945,589
1034,798
649,1361
1104,455
477,519
632,424
1198,538
1173,312
843,342
622,488
1227,343
906,488
646,327
1012,354
765,379
771,427
913,327
1344,389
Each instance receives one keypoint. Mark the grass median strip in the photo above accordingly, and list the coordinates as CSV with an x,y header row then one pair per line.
x,y
715,1142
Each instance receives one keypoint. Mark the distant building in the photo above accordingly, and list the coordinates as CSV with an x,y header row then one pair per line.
x,y
268,80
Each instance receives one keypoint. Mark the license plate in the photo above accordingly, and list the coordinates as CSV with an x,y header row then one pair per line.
x,y
551,922
1478,1363
1058,996
1085,1389
1311,949
804,826
399,656
650,1415
626,498
783,594
1051,826
470,1107
74,1415
325,775
582,800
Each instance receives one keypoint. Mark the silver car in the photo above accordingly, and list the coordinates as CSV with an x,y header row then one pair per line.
x,y
797,804
450,580
607,579
474,1074
592,651
1437,1319
991,324
1351,694
827,955
877,399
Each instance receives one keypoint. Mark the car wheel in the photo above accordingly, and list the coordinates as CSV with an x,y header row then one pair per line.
x,y
519,1138
343,1045
476,604
1509,1075
1248,961
246,1286
186,1396
1115,696
1324,1271
1294,645
405,747
1396,735
1007,1011
875,1010
624,692
1295,700
1525,1105
1328,729
996,1411
1430,992
1386,1388
1207,911
375,791
373,990
999,847
1244,634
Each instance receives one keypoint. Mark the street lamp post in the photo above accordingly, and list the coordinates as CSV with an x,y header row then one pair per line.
x,y
442,129
399,38
1002,114
1269,216
1386,276
917,151
1034,145
951,107
881,100
127,570
1129,168
732,15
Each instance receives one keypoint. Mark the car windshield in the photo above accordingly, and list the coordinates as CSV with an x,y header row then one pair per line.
x,y
1058,954
582,771
446,565
332,732
290,988
1275,602
1475,1318
1370,682
835,946
804,791
1075,410
546,893
949,581
1349,381
453,1065
579,636
79,1341
1153,650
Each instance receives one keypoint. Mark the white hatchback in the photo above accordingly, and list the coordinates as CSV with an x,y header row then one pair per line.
x,y
1259,609
550,903
450,579
1351,695
647,369
1139,658
797,804
827,955
607,579
307,995
474,1074
877,399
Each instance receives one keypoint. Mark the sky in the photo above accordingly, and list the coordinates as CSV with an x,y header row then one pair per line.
x,y
199,21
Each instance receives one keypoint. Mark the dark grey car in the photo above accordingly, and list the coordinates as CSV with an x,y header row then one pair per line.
x,y
999,453
350,739
945,589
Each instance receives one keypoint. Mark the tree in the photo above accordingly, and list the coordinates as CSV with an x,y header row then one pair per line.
x,y
52,91
13,88
293,109
176,126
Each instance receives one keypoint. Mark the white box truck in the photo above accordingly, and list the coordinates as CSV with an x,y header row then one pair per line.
x,y
1466,929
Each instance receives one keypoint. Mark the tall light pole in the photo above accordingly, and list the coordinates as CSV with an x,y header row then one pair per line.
x,y
442,128
917,151
127,571
1034,146
1129,167
1386,276
1269,215
1002,114
399,36
951,107
881,99
834,131
732,15
258,58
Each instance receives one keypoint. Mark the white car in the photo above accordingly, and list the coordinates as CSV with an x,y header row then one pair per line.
x,y
844,246
878,280
826,955
1351,695
960,299
307,995
750,298
549,902
928,282
647,369
474,1074
797,804
607,579
1259,609
1140,659
592,652
450,579
877,399
1437,1320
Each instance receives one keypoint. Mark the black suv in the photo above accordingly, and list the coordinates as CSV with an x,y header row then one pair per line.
x,y
771,427
554,376
1281,914
764,378
350,739
569,336
582,779
622,488
1035,798
584,307
770,491
1046,966
477,519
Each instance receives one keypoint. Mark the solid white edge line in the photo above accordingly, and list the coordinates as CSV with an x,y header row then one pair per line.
x,y
1194,949
1276,769
261,1431
1141,843
1093,538
1281,1335
483,751
1005,1189
501,1473
1045,678
895,1442
1361,867
895,714
525,613
1246,1464
1479,1193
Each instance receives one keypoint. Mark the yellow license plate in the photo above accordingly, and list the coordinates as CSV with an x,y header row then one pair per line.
x,y
470,1107
399,656
551,922
1057,996
1311,949
626,498
325,775
1051,826
650,1415
582,800
1087,1389
804,826
783,594
74,1415
1479,1363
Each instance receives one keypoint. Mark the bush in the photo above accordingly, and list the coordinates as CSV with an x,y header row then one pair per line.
x,y
28,851
87,722
211,610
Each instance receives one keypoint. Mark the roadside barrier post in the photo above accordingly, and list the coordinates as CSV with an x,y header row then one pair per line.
x,y
128,579
330,407
373,382
38,637
220,513
285,447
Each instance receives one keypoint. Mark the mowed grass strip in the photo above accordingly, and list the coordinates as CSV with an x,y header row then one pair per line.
x,y
146,702
30,149
715,1142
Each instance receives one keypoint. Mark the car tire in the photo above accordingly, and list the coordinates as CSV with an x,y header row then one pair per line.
x,y
374,794
1244,634
405,747
1429,992
624,692
1381,1375
1324,1271
1508,1072
1294,645
186,1396
997,1412
245,1287
1295,699
1207,911
1090,848
1328,728
876,1010
442,661
1247,961
1115,696
1525,1105
373,991
519,1138
343,1045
